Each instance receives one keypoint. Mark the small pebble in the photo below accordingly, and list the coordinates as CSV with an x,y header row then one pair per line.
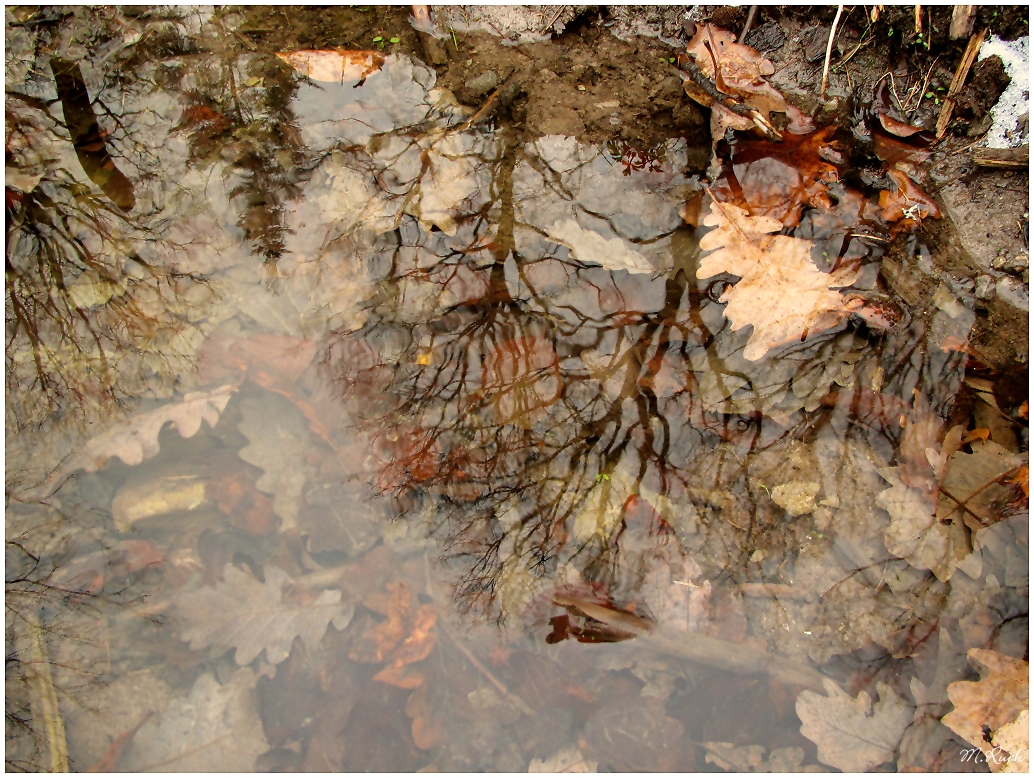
x,y
486,82
1013,292
985,289
1015,265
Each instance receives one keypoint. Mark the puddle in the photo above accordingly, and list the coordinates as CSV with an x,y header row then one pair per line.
x,y
346,434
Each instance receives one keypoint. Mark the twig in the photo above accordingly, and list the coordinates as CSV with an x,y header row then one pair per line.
x,y
829,52
922,89
520,704
959,81
108,762
53,724
748,24
553,18
503,95
711,90
1002,158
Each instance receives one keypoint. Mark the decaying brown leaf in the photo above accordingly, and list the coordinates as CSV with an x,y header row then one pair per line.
x,y
738,71
909,201
937,491
781,292
334,65
987,705
405,638
778,179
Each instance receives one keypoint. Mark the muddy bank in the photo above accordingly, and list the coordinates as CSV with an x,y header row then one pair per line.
x,y
576,77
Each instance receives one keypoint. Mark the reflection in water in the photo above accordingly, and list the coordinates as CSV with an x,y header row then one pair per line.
x,y
426,378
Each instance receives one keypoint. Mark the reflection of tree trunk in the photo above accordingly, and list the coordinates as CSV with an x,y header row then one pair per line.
x,y
81,122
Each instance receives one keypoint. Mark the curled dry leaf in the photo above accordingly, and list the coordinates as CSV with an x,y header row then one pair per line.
x,y
908,201
250,616
851,733
334,65
781,292
996,700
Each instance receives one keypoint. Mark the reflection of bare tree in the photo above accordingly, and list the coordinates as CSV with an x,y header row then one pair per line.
x,y
495,406
546,409
239,110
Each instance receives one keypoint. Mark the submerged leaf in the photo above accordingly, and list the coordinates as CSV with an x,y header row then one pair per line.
x,y
852,735
279,442
136,438
781,292
566,760
250,616
216,728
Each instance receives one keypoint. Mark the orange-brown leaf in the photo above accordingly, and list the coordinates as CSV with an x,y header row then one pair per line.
x,y
909,200
997,699
334,66
778,179
741,69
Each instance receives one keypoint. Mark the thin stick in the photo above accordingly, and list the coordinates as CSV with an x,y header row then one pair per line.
x,y
959,81
749,23
520,704
829,52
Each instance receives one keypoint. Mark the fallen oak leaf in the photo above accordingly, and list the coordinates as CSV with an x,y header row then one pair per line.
x,y
781,292
852,734
251,616
136,438
1014,738
334,65
997,699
